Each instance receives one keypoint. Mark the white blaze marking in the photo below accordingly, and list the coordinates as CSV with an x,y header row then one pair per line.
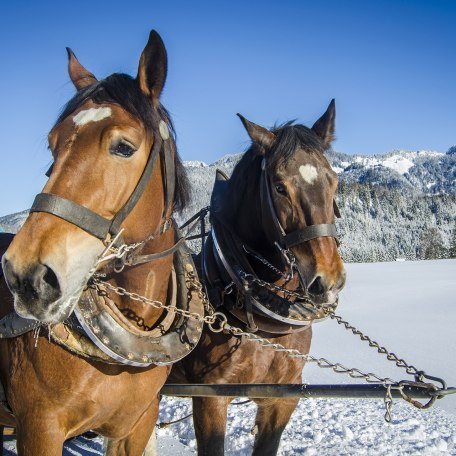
x,y
91,115
308,172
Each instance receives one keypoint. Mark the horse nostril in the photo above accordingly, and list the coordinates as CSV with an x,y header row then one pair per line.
x,y
317,287
11,278
44,282
37,282
342,280
50,278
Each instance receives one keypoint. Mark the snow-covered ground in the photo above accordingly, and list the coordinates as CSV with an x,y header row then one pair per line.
x,y
409,307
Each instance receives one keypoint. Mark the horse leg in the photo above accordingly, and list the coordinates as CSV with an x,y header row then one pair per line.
x,y
271,419
136,443
209,420
39,437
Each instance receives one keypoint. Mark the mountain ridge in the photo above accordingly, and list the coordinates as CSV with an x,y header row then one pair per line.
x,y
392,204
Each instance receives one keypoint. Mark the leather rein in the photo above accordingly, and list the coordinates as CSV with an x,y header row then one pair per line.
x,y
108,229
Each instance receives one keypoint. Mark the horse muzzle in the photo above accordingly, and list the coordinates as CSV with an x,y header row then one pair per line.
x,y
37,292
322,291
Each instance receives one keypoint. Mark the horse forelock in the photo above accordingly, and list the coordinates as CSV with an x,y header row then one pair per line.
x,y
123,90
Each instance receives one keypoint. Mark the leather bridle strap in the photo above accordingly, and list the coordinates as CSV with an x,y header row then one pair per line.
x,y
308,233
169,171
274,230
90,221
78,215
139,189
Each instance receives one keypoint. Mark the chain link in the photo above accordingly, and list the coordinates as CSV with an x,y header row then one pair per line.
x,y
321,362
209,319
250,279
264,261
390,356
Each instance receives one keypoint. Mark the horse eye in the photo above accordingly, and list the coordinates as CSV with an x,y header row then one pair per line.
x,y
123,149
280,189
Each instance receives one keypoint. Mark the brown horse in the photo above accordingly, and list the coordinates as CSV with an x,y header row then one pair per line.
x,y
100,145
302,186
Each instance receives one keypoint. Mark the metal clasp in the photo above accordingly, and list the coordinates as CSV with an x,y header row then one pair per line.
x,y
222,322
289,258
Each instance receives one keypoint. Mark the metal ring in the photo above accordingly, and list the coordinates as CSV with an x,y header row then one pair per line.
x,y
223,320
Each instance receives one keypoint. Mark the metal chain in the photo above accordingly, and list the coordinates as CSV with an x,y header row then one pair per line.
x,y
400,362
217,322
321,362
209,319
410,369
250,279
264,261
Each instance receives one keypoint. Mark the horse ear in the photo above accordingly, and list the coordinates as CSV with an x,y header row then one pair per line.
x,y
324,126
78,74
261,136
153,66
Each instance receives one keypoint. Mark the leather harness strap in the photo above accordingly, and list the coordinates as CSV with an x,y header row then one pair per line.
x,y
97,225
310,232
274,230
169,172
78,215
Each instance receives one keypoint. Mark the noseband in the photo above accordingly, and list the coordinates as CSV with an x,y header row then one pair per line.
x,y
101,227
274,230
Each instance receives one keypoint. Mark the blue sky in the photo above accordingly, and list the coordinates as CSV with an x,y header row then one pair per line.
x,y
390,65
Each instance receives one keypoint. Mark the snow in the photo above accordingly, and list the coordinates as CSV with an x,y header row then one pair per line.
x,y
409,307
395,162
399,161
195,164
399,164
337,169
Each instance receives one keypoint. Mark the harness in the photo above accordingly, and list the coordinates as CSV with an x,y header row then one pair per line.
x,y
273,228
101,227
97,329
231,281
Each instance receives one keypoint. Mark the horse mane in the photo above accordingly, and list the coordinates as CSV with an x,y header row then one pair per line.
x,y
123,90
245,179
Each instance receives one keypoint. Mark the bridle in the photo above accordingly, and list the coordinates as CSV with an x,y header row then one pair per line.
x,y
273,228
107,229
232,269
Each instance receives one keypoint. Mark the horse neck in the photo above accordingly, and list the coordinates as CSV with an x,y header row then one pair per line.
x,y
149,279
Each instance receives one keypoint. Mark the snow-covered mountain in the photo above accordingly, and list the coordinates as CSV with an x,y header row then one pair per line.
x,y
390,203
428,172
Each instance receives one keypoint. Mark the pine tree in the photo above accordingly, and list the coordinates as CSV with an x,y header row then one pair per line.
x,y
431,244
452,249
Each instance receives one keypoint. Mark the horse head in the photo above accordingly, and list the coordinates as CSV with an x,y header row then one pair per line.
x,y
288,200
101,144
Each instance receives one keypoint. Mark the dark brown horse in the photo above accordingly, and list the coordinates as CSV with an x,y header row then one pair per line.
x,y
302,187
100,145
